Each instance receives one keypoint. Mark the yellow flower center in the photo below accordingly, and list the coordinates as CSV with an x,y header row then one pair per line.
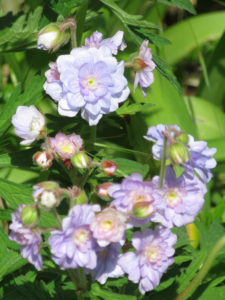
x,y
66,148
107,225
91,82
172,198
152,253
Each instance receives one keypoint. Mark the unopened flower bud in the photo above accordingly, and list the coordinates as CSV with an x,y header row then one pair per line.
x,y
29,216
47,194
102,190
142,209
81,160
178,153
43,159
51,37
182,137
81,198
109,167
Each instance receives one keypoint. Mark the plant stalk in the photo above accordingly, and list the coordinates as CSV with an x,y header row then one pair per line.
x,y
163,162
73,36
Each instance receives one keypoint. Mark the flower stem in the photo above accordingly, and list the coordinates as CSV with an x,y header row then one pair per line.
x,y
83,279
73,36
203,271
163,162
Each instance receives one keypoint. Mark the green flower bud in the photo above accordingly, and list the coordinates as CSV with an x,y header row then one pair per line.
x,y
178,153
29,216
51,37
182,137
81,160
142,210
81,198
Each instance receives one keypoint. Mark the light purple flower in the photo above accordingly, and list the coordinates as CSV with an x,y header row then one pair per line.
x,y
153,255
107,263
29,123
133,191
108,226
65,146
144,66
52,74
184,198
28,238
91,80
74,246
114,43
201,157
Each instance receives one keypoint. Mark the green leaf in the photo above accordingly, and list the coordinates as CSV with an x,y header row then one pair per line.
x,y
17,159
169,107
191,271
219,144
153,38
206,27
133,20
10,262
96,290
80,19
5,214
212,293
30,96
132,109
183,4
63,7
15,194
216,72
165,70
209,118
22,34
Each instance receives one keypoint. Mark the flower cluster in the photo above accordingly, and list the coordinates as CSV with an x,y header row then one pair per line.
x,y
196,157
92,237
90,79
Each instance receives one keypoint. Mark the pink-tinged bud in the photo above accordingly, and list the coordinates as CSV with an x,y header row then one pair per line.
x,y
178,154
47,194
29,216
67,163
51,37
182,137
43,159
109,167
81,161
102,190
108,226
143,209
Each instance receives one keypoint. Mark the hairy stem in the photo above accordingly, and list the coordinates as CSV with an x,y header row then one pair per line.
x,y
73,36
203,271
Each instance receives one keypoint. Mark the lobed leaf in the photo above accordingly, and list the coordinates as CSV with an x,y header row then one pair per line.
x,y
15,194
22,34
183,4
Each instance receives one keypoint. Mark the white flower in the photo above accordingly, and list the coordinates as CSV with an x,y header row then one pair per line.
x,y
28,123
